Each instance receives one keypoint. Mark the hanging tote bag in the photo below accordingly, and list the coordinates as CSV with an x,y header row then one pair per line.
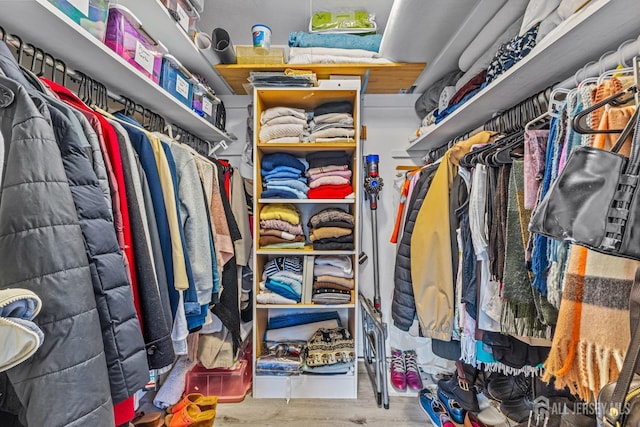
x,y
619,401
594,202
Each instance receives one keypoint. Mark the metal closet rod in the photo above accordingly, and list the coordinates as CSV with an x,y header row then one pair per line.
x,y
60,66
625,52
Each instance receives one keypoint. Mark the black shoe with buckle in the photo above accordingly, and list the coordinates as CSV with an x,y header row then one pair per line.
x,y
461,387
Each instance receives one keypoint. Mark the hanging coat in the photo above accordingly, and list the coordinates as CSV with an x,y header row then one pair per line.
x,y
431,269
65,383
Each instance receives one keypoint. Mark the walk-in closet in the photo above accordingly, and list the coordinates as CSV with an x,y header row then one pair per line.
x,y
320,212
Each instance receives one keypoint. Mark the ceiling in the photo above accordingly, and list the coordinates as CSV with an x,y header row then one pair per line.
x,y
433,31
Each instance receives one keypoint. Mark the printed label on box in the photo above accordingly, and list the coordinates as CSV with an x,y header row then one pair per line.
x,y
182,87
81,5
184,18
207,106
144,57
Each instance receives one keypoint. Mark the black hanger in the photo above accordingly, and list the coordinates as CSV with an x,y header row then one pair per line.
x,y
505,154
615,100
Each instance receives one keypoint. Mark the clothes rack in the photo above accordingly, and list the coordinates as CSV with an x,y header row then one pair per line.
x,y
92,91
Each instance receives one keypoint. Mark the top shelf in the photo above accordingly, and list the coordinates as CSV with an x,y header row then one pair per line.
x,y
41,23
563,51
159,23
383,78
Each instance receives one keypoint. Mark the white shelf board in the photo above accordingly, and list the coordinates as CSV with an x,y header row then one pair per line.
x,y
160,25
307,201
558,56
41,23
305,306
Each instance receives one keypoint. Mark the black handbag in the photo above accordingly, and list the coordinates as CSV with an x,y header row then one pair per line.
x,y
619,401
594,202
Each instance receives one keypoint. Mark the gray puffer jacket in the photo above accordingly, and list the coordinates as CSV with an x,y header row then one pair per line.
x,y
403,306
121,335
65,383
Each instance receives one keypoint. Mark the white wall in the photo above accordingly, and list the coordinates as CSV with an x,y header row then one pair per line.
x,y
390,119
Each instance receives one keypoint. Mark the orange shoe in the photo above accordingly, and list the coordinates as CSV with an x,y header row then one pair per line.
x,y
191,416
204,402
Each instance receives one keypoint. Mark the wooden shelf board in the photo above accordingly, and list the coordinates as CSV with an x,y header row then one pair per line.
x,y
305,147
307,201
306,251
556,57
305,306
383,78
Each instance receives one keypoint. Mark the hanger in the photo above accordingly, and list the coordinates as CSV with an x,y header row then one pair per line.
x,y
615,100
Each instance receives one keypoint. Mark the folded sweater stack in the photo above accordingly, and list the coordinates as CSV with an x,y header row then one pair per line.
x,y
332,122
331,229
283,177
281,281
280,227
332,279
282,125
329,175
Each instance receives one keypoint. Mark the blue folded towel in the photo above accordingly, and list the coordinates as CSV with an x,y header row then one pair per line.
x,y
271,161
344,41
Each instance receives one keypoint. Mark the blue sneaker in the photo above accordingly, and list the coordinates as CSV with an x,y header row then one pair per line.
x,y
454,409
436,411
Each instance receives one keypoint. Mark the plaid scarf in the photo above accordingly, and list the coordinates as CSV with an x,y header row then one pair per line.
x,y
592,333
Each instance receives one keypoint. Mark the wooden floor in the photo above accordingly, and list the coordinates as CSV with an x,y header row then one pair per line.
x,y
403,411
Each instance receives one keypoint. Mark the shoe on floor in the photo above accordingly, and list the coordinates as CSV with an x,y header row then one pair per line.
x,y
505,387
452,406
517,410
434,409
398,370
412,373
461,387
153,419
191,416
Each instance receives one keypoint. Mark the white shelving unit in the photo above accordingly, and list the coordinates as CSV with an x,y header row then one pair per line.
x,y
41,23
304,386
599,26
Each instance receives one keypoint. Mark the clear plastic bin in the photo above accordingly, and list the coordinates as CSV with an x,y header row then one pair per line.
x,y
230,385
177,80
90,15
205,103
127,38
185,15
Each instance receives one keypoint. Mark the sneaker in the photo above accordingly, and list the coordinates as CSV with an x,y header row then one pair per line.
x,y
456,411
414,382
434,409
398,371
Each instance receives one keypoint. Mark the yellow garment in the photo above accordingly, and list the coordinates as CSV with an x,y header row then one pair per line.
x,y
181,282
328,232
283,211
431,269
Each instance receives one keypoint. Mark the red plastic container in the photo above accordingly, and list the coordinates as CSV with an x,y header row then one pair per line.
x,y
230,385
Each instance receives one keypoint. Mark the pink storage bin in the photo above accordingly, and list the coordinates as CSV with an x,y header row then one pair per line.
x,y
230,385
127,38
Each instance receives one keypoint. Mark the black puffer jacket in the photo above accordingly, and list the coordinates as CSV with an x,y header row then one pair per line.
x,y
41,249
403,307
123,343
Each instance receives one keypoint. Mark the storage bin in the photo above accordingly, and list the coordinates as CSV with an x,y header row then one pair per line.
x,y
185,15
177,80
205,103
126,36
90,15
230,385
250,55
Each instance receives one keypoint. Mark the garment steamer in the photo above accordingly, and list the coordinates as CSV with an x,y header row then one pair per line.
x,y
374,331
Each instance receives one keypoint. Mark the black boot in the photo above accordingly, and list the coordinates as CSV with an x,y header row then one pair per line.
x,y
462,386
508,387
